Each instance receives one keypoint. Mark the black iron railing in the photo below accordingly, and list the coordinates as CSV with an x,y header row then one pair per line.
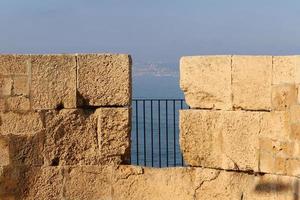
x,y
155,132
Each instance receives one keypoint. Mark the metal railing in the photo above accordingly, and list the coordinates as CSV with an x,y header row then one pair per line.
x,y
155,132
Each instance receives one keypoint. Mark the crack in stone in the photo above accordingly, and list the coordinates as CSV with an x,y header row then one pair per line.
x,y
204,181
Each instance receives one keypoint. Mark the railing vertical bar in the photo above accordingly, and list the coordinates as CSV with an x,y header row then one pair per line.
x,y
159,144
151,119
144,121
181,106
174,132
167,135
137,131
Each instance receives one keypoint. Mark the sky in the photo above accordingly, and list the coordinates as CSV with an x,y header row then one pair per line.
x,y
156,32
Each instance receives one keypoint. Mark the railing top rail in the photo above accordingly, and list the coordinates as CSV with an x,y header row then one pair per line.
x,y
157,99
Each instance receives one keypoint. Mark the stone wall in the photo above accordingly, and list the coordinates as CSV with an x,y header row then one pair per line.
x,y
58,114
244,119
65,130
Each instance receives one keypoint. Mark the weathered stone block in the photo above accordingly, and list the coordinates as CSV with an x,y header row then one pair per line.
x,y
4,149
23,149
283,96
220,139
2,105
9,182
295,132
150,183
274,155
53,81
14,64
271,187
285,69
206,81
88,182
104,80
21,123
295,113
276,125
5,86
230,139
18,103
71,138
20,85
113,130
41,183
293,167
251,82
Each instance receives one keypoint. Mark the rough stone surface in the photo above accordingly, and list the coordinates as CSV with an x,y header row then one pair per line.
x,y
4,156
2,105
220,139
21,123
206,81
114,133
20,85
5,86
251,82
283,96
41,183
18,103
274,155
71,137
53,81
88,182
104,80
153,184
9,181
276,125
22,149
229,139
14,64
285,69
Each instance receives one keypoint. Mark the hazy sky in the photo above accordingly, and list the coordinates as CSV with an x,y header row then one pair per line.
x,y
152,30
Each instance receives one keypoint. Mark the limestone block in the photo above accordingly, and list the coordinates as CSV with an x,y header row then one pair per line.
x,y
113,130
229,139
14,64
226,185
9,182
220,139
293,167
71,138
298,93
20,85
218,184
18,103
88,182
271,187
4,149
104,80
274,155
283,96
21,123
206,81
41,183
295,132
295,113
153,184
285,69
251,82
2,105
53,81
276,125
5,86
22,150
